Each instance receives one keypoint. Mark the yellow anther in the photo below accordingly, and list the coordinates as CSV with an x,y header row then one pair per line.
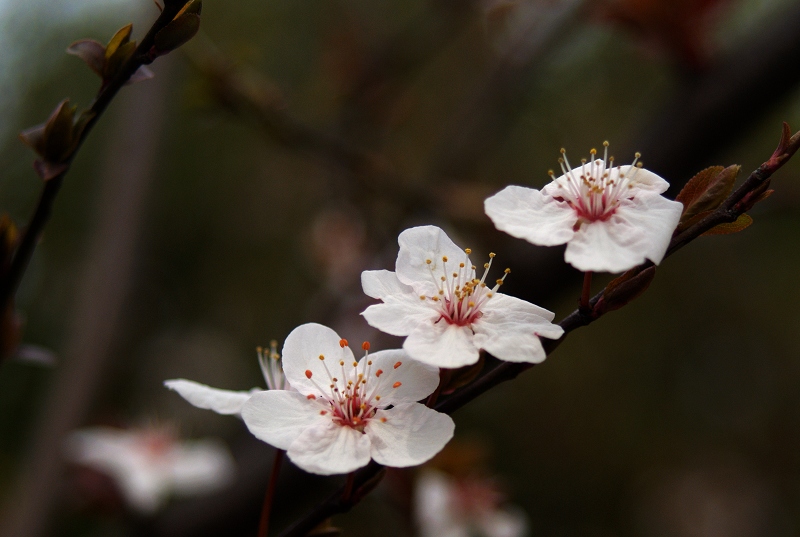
x,y
321,356
471,304
428,261
444,258
499,281
637,155
461,265
507,271
593,151
491,255
422,297
563,151
441,291
468,250
605,144
486,265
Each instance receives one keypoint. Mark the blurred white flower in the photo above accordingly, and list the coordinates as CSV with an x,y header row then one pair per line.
x,y
448,314
229,401
612,218
445,506
338,418
149,465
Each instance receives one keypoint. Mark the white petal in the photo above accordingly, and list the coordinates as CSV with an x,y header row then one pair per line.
x,y
644,180
504,523
417,245
142,480
400,317
328,449
381,284
610,246
301,352
442,345
640,228
656,217
411,434
528,214
416,380
434,496
278,417
510,330
200,466
202,396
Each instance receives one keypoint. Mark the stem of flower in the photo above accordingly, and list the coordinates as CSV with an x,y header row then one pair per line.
x,y
263,525
348,487
444,378
587,290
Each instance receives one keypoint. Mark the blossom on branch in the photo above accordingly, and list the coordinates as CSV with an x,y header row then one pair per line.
x,y
611,218
446,506
448,313
338,419
228,401
148,465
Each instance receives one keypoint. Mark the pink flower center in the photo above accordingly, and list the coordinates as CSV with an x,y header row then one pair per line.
x,y
354,392
596,189
460,294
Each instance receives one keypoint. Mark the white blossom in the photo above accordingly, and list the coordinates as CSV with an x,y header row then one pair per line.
x,y
149,465
340,415
445,506
448,313
611,218
228,401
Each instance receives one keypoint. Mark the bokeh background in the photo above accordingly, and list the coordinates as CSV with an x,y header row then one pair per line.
x,y
241,192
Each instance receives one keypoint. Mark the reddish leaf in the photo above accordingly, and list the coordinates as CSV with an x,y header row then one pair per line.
x,y
706,191
624,289
741,223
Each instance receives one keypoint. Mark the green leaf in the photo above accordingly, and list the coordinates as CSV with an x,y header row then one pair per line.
x,y
120,38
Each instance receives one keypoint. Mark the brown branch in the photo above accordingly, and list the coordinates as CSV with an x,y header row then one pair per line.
x,y
44,208
736,204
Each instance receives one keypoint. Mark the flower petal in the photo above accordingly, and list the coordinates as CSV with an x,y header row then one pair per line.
x,y
382,284
200,466
328,449
301,352
511,328
414,380
220,401
528,214
417,245
279,417
442,345
656,217
609,246
641,228
411,434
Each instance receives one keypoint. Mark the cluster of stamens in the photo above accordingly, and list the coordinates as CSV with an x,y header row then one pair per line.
x,y
355,393
271,367
595,189
460,294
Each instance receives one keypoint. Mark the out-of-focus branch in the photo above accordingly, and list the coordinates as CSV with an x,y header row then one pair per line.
x,y
144,54
710,111
738,203
251,96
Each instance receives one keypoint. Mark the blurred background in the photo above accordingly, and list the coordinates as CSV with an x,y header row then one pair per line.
x,y
241,192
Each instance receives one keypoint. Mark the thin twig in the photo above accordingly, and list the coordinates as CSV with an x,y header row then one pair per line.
x,y
263,525
44,208
727,212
